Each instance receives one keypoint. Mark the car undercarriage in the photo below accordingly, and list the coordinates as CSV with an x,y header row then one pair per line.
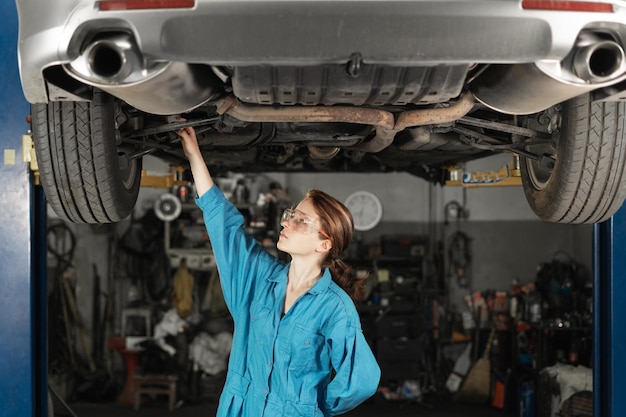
x,y
417,87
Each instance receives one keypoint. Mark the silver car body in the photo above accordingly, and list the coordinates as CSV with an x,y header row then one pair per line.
x,y
297,33
418,86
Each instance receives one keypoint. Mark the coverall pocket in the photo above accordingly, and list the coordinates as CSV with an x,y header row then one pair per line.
x,y
259,316
308,350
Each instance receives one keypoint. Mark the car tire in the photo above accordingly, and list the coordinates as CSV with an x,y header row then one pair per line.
x,y
586,183
85,177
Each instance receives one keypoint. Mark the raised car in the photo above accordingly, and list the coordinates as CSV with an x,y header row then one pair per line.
x,y
321,86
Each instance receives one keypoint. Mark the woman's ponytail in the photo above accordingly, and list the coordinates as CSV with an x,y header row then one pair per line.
x,y
343,276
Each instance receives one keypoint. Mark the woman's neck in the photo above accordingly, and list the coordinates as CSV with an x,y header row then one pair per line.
x,y
303,275
301,278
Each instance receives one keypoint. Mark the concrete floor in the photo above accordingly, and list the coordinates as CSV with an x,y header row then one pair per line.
x,y
158,408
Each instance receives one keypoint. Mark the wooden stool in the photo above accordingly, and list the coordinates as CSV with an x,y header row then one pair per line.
x,y
155,384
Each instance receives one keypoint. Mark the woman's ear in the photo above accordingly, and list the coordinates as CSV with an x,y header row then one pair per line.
x,y
325,246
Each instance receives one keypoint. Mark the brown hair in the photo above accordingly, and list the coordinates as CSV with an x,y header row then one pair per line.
x,y
336,220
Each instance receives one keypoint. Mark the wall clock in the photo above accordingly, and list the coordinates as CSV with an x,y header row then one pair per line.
x,y
366,209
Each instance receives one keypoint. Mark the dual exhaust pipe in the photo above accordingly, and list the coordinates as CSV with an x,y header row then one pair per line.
x,y
115,64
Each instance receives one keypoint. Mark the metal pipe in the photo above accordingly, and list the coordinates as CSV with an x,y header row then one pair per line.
x,y
358,115
599,61
114,64
384,121
110,60
436,116
382,139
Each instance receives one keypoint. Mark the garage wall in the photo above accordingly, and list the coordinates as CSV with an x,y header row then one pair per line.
x,y
405,197
513,250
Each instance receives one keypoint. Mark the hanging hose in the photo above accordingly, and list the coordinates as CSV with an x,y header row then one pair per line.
x,y
61,243
459,257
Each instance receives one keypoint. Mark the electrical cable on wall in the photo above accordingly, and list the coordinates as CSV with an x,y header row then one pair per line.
x,y
459,258
459,253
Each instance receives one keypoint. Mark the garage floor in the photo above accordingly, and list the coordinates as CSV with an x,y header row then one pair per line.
x,y
369,409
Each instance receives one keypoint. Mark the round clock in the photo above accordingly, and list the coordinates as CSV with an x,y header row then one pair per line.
x,y
366,209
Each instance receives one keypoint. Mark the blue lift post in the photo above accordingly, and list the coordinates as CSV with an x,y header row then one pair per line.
x,y
23,364
609,331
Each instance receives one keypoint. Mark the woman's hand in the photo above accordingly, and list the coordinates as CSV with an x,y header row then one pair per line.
x,y
190,142
202,177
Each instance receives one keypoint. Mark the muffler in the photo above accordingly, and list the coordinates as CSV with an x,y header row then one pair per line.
x,y
593,63
114,64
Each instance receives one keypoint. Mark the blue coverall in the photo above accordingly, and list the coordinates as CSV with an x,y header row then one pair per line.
x,y
312,362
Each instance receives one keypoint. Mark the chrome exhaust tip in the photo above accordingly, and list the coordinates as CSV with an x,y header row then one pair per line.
x,y
114,64
108,60
112,60
599,62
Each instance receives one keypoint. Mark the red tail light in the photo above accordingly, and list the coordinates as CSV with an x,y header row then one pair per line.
x,y
145,4
565,5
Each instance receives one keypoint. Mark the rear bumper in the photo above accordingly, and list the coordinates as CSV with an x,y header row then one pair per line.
x,y
244,33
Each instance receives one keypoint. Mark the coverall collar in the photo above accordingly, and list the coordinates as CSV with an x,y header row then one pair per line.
x,y
319,287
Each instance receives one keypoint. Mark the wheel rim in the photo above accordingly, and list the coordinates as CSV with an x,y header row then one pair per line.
x,y
128,168
539,175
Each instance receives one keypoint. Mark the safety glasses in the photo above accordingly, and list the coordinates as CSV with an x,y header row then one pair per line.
x,y
300,223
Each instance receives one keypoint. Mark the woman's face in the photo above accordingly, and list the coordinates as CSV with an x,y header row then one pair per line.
x,y
300,234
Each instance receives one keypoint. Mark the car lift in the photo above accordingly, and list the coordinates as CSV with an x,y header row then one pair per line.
x,y
23,383
23,362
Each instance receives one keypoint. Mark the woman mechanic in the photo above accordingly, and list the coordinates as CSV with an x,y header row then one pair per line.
x,y
298,348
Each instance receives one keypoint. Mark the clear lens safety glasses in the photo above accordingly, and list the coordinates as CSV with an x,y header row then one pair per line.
x,y
300,223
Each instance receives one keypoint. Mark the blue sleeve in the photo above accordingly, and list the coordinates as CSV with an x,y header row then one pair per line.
x,y
357,372
241,261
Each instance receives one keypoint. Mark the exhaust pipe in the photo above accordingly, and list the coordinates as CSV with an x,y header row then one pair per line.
x,y
114,64
599,62
384,122
593,63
